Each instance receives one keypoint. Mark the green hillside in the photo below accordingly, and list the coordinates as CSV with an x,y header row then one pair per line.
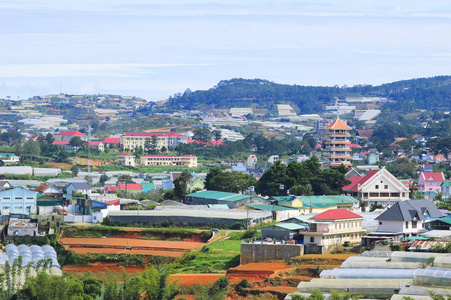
x,y
424,93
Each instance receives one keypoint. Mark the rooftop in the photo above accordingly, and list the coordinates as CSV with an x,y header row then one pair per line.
x,y
336,214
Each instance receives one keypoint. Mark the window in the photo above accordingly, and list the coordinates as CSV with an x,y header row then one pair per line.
x,y
414,224
386,187
312,239
407,224
380,223
376,187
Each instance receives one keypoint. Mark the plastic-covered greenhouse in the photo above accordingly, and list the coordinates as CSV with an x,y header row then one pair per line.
x,y
32,254
432,277
361,262
368,273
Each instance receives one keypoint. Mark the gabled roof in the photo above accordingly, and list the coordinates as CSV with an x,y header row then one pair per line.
x,y
112,141
338,124
407,210
437,176
95,143
336,214
130,186
365,133
81,185
42,188
126,154
60,143
71,133
356,180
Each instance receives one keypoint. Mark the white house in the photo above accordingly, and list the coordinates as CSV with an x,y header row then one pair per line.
x,y
251,161
80,187
17,200
408,217
377,187
446,190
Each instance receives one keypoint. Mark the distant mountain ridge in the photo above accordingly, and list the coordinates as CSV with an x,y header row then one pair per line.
x,y
425,93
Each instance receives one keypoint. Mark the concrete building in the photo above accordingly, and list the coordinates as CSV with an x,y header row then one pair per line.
x,y
251,161
17,200
79,187
9,158
22,227
132,140
334,227
68,135
169,160
377,187
97,145
126,159
430,181
408,217
337,138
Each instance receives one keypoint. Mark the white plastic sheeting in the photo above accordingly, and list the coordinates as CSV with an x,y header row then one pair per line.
x,y
432,277
368,273
32,254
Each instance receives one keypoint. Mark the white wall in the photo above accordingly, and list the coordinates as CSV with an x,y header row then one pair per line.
x,y
391,226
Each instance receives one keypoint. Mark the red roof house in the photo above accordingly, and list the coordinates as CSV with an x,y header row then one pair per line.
x,y
336,214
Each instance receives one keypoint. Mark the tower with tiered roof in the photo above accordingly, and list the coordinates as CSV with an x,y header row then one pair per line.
x,y
337,151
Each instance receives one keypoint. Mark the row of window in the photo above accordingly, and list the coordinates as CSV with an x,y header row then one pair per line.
x,y
344,225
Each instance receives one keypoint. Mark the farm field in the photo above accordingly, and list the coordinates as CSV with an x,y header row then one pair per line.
x,y
138,246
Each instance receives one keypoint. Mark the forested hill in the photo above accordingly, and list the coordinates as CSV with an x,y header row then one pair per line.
x,y
424,93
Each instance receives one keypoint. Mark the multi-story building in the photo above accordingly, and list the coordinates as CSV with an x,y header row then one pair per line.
x,y
68,135
132,140
377,187
430,181
169,160
337,151
334,227
126,159
17,200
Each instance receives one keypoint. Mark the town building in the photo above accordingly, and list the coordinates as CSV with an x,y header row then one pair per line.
x,y
169,160
230,199
337,151
126,159
408,217
9,158
446,190
18,201
251,161
377,187
97,145
79,187
68,135
132,140
430,182
334,227
22,227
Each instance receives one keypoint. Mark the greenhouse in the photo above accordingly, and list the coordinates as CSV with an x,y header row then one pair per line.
x,y
368,273
432,277
33,254
368,262
380,286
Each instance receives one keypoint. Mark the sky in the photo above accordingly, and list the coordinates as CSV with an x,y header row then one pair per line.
x,y
156,48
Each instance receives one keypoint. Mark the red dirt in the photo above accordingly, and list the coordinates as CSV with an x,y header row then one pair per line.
x,y
123,251
102,267
190,279
256,271
58,165
277,289
136,244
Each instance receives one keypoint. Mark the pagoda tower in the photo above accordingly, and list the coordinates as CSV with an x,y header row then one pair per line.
x,y
337,151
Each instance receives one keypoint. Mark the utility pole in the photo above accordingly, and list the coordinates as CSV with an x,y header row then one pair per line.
x,y
89,145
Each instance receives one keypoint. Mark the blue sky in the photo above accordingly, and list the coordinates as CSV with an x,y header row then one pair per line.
x,y
154,49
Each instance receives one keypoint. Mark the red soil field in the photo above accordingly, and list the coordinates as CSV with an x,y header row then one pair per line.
x,y
123,251
120,243
101,267
277,289
191,279
256,271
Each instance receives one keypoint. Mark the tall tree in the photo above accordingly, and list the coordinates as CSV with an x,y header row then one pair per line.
x,y
181,185
202,135
147,145
154,144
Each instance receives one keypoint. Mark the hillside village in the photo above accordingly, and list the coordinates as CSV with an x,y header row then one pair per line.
x,y
282,204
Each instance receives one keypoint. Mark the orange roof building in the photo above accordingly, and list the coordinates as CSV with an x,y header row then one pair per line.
x,y
337,151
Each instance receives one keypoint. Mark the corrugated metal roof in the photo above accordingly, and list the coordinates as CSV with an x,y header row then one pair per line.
x,y
270,207
291,226
219,195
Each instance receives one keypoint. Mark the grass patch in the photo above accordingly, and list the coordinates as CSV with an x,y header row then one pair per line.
x,y
216,257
